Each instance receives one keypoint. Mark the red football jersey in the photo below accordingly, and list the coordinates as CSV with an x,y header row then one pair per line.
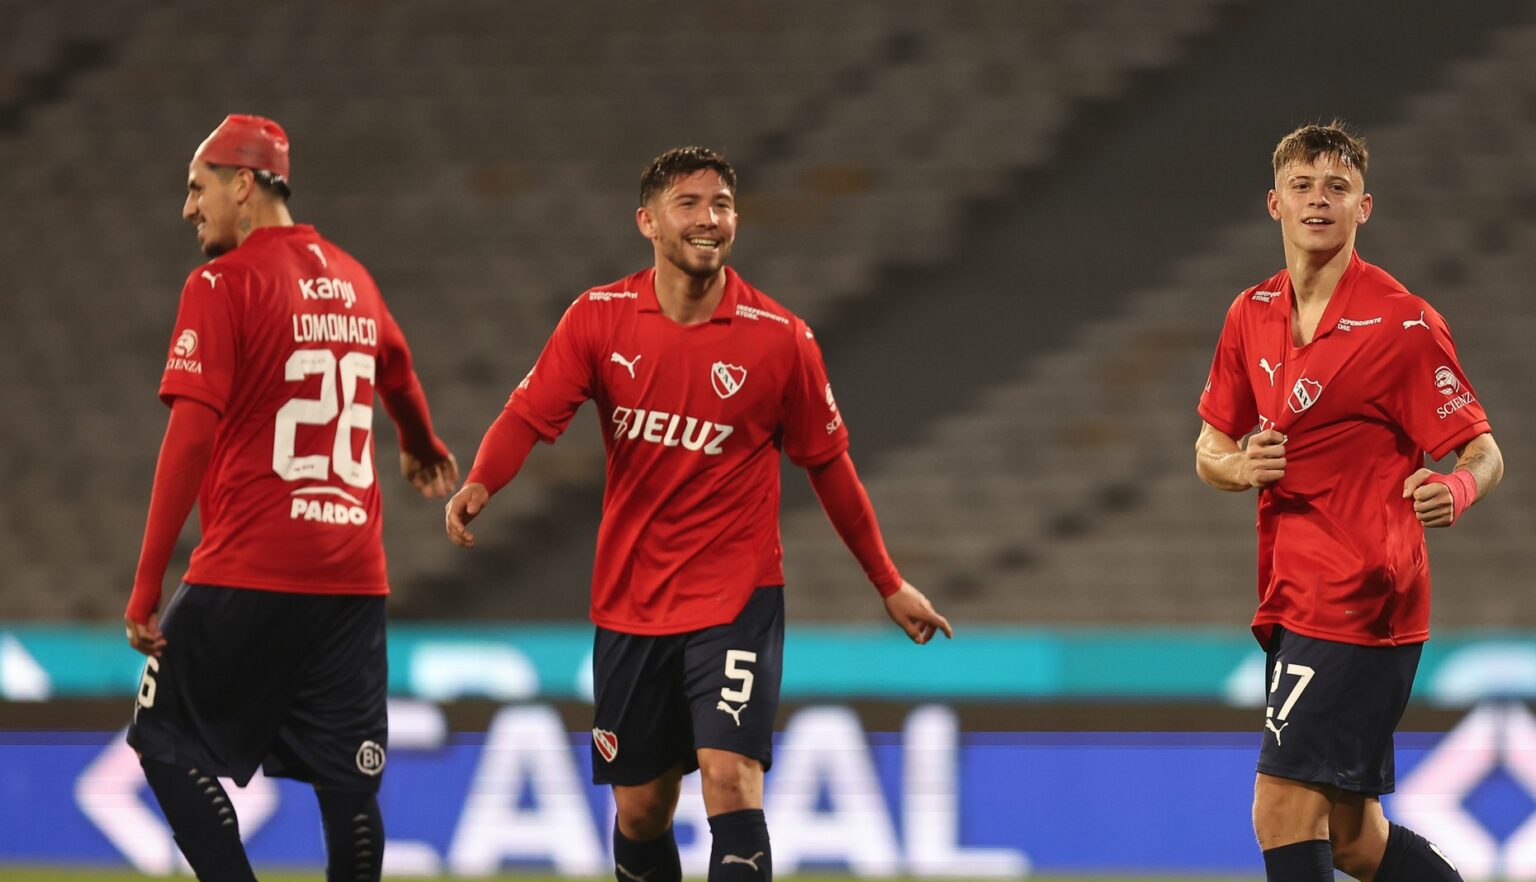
x,y
288,339
1341,553
693,418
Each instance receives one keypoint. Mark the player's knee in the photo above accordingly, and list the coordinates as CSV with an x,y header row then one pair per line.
x,y
1284,814
730,781
1353,856
643,812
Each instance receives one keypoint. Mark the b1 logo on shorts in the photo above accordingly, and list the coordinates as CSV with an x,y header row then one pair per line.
x,y
607,744
370,758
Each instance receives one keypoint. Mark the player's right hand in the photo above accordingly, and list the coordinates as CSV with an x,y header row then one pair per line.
x,y
912,612
1264,458
146,638
461,509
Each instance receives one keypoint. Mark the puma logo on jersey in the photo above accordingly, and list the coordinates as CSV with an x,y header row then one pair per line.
x,y
318,253
1270,725
1264,363
735,712
213,278
670,430
1418,321
629,364
738,859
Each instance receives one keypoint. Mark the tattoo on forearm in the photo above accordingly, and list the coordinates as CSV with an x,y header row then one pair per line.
x,y
1483,466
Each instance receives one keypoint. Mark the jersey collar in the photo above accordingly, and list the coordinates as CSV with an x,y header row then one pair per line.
x,y
725,311
275,232
1336,303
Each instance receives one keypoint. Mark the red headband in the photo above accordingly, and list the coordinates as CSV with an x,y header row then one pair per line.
x,y
247,142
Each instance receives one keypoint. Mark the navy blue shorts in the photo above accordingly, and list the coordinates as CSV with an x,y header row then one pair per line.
x,y
1332,710
661,698
293,683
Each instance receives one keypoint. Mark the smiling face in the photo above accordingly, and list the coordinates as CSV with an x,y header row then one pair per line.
x,y
691,222
1319,204
213,205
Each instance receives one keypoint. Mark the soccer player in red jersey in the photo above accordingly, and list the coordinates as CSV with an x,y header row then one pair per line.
x,y
1342,380
700,380
273,652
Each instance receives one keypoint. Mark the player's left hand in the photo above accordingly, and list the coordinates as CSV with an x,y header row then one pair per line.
x,y
432,480
912,612
1432,502
146,638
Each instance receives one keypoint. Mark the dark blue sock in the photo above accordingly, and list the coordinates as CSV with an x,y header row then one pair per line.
x,y
1412,858
354,836
202,820
1309,861
740,852
651,860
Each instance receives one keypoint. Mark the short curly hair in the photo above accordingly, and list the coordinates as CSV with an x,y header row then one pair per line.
x,y
680,162
1310,141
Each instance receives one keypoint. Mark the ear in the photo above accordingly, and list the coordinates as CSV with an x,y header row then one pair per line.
x,y
242,185
646,222
1364,213
1273,202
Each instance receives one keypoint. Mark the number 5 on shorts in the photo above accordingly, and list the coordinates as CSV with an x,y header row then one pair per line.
x,y
1304,675
732,672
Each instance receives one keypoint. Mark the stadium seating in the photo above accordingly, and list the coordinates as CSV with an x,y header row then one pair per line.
x,y
1068,494
483,170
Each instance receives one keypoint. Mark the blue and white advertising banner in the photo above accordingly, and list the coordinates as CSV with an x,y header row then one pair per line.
x,y
929,800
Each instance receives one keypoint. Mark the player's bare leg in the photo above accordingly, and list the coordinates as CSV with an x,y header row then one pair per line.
x,y
733,799
1290,819
1357,831
644,849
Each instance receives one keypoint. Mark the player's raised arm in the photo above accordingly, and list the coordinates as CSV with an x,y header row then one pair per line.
x,y
1222,463
1439,500
847,505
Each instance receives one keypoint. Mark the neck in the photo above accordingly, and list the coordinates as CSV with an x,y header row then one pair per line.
x,y
1314,275
686,299
264,213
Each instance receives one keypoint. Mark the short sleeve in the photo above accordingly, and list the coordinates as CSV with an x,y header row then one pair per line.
x,y
1428,395
205,345
561,379
1227,401
813,428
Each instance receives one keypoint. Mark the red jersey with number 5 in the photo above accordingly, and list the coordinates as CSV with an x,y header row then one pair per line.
x,y
693,418
288,339
1341,553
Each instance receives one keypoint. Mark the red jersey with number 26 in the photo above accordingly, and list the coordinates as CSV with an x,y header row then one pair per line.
x,y
1341,553
288,339
693,418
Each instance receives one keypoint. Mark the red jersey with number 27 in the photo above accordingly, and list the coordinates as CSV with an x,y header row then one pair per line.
x,y
288,339
693,418
1341,553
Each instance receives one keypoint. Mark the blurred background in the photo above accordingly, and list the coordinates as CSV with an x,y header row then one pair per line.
x,y
1015,227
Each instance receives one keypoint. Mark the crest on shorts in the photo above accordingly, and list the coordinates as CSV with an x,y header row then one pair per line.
x,y
727,378
1304,394
607,744
370,758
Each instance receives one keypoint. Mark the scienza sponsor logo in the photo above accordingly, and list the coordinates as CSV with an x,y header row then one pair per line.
x,y
1449,386
181,353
